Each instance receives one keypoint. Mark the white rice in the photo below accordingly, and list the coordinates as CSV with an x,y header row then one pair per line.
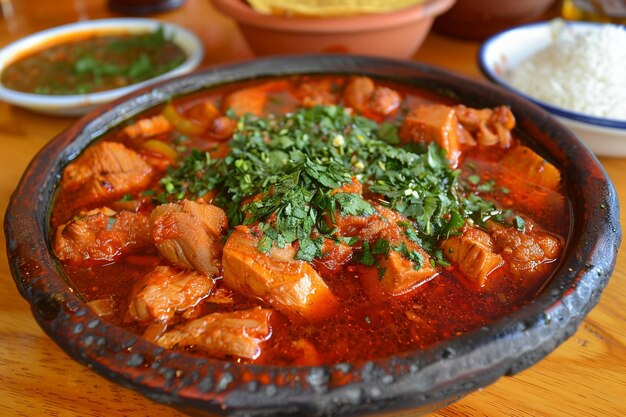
x,y
582,70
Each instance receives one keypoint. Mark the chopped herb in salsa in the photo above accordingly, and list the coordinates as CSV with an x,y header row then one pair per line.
x,y
97,63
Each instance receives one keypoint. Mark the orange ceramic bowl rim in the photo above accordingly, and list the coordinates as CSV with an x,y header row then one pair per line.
x,y
243,13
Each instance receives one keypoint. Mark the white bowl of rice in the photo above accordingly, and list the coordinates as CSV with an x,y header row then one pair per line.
x,y
575,70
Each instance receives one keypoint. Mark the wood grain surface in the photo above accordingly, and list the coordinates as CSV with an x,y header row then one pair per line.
x,y
585,376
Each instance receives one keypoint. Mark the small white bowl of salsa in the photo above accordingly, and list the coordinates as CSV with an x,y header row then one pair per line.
x,y
68,70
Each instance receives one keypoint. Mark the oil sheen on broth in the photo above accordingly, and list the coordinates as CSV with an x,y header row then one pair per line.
x,y
310,220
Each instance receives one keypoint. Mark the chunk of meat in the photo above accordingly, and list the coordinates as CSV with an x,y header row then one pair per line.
x,y
384,224
405,267
487,127
384,101
364,96
527,164
105,171
166,291
401,274
145,128
101,235
334,256
474,254
348,225
202,113
396,274
217,126
291,286
433,123
358,92
188,234
221,295
237,333
251,99
526,252
317,92
247,100
370,227
523,197
222,128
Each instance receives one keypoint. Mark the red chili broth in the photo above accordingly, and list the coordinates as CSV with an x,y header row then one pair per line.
x,y
363,328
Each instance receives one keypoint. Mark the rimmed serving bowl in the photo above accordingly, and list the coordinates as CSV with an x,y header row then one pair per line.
x,y
79,104
394,34
421,380
504,51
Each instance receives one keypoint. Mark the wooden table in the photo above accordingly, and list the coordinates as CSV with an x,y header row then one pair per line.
x,y
586,376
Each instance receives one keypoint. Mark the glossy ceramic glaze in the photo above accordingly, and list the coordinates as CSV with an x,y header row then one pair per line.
x,y
395,34
421,380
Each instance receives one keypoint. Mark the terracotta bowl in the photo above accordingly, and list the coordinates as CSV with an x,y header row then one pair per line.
x,y
479,19
396,34
421,380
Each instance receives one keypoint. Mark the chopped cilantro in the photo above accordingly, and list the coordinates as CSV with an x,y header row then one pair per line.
x,y
367,258
486,186
381,272
353,205
265,244
287,171
519,223
381,247
412,255
350,241
473,179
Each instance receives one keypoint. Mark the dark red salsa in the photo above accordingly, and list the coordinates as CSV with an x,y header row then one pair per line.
x,y
95,63
310,220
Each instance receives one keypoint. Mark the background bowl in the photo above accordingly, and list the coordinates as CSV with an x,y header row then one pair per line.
x,y
506,50
422,380
478,19
79,104
395,34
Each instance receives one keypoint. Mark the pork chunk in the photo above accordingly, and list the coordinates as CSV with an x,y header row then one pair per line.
x,y
317,92
188,234
405,267
105,171
148,127
237,333
364,96
529,165
526,252
473,253
402,274
486,127
251,99
334,256
101,235
165,291
433,123
291,286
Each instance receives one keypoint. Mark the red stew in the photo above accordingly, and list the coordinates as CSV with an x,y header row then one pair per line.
x,y
310,220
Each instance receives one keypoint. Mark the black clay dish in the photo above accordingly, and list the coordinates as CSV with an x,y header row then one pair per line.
x,y
422,380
